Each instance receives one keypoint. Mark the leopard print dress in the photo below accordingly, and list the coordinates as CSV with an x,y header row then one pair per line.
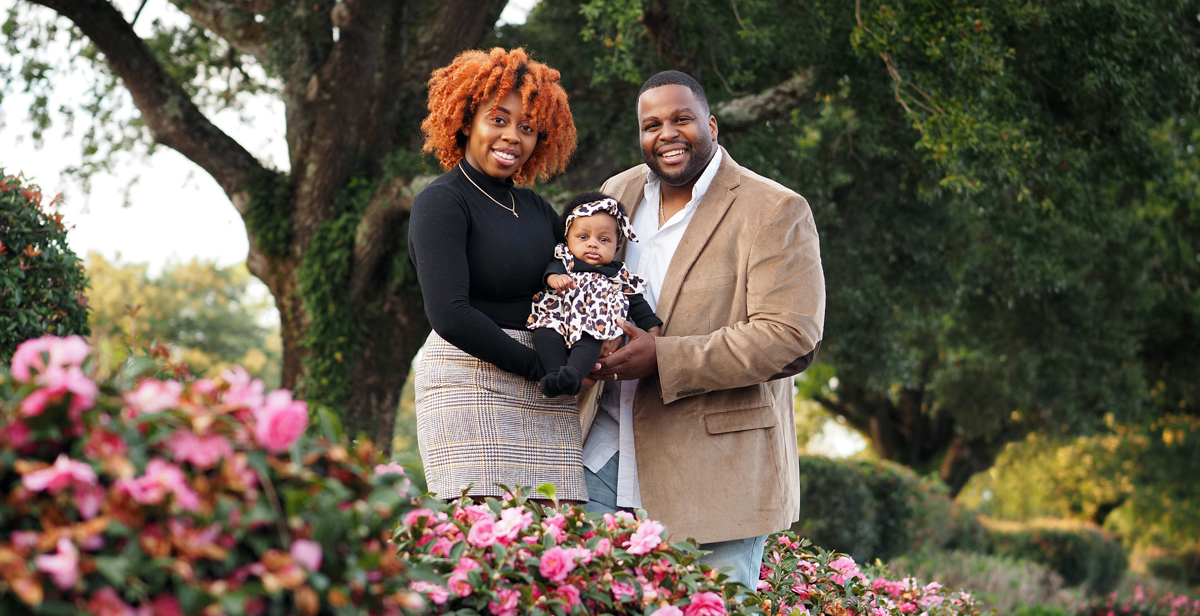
x,y
591,308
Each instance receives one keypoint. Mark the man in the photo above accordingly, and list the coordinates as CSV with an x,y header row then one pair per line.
x,y
696,425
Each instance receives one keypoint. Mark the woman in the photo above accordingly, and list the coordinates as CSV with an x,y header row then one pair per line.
x,y
480,245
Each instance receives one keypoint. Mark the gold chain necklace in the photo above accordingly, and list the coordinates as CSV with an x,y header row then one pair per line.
x,y
512,209
662,218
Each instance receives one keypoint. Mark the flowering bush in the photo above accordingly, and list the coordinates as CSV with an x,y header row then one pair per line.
x,y
151,496
512,556
41,280
798,581
1142,602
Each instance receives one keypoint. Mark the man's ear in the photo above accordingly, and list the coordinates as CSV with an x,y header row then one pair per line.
x,y
712,125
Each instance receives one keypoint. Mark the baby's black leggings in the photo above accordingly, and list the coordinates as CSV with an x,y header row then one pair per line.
x,y
564,376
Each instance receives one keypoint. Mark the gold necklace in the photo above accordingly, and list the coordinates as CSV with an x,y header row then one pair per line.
x,y
512,209
662,218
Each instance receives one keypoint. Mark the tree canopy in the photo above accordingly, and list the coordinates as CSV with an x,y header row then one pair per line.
x,y
1006,190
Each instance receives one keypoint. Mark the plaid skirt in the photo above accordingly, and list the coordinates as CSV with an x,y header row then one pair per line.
x,y
477,424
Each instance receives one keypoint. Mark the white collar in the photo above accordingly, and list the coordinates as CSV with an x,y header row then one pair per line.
x,y
698,189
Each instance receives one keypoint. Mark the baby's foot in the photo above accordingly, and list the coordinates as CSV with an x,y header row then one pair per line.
x,y
564,381
549,384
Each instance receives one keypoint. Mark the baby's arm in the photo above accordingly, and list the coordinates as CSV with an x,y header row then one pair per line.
x,y
557,278
560,282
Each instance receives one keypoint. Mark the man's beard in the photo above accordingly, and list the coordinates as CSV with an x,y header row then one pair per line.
x,y
701,154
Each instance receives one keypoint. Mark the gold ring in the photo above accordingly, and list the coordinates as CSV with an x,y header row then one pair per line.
x,y
614,376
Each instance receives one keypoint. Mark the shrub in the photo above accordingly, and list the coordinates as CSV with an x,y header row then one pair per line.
x,y
837,508
41,280
879,510
1142,602
173,497
1040,610
799,581
1081,555
1184,568
999,583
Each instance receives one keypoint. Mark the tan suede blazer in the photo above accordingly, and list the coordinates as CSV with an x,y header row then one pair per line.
x,y
743,307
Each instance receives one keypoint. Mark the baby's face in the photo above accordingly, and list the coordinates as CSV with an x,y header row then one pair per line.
x,y
593,239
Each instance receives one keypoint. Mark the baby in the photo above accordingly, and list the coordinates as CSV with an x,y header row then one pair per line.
x,y
587,292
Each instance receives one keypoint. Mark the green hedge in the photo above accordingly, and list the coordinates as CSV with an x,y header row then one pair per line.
x,y
881,510
1082,556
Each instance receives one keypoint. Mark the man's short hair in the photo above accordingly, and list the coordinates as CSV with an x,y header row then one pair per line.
x,y
676,78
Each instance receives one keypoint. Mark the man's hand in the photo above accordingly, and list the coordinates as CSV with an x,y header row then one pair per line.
x,y
636,360
560,282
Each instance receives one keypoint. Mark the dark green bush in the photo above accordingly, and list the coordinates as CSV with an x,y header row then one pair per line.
x,y
1040,610
837,508
1082,556
42,283
877,510
1184,569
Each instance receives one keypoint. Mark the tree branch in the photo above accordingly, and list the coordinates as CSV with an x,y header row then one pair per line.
x,y
378,232
229,22
172,117
258,7
747,111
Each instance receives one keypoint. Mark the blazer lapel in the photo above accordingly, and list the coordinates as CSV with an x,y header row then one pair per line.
x,y
709,212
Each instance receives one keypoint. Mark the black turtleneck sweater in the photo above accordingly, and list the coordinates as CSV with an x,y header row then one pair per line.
x,y
479,266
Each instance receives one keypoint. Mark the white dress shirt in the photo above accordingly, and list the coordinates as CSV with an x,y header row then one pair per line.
x,y
649,257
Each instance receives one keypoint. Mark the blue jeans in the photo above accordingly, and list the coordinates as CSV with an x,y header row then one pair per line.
x,y
742,558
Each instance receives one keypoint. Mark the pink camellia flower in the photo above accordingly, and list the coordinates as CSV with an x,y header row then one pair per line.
x,y
25,539
581,555
705,604
244,391
279,421
89,499
604,546
202,451
56,382
554,527
556,564
16,434
457,583
507,606
412,517
667,610
164,605
63,473
307,553
568,593
62,352
62,566
106,602
392,468
475,513
846,570
441,547
512,522
621,589
645,538
482,534
161,478
103,444
438,594
154,396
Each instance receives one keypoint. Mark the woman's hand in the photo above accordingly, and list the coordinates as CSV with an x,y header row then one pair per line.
x,y
562,282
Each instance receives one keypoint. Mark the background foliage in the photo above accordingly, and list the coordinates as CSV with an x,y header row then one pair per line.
x,y
203,313
42,283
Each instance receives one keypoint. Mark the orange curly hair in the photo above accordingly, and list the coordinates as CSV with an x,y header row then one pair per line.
x,y
457,90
